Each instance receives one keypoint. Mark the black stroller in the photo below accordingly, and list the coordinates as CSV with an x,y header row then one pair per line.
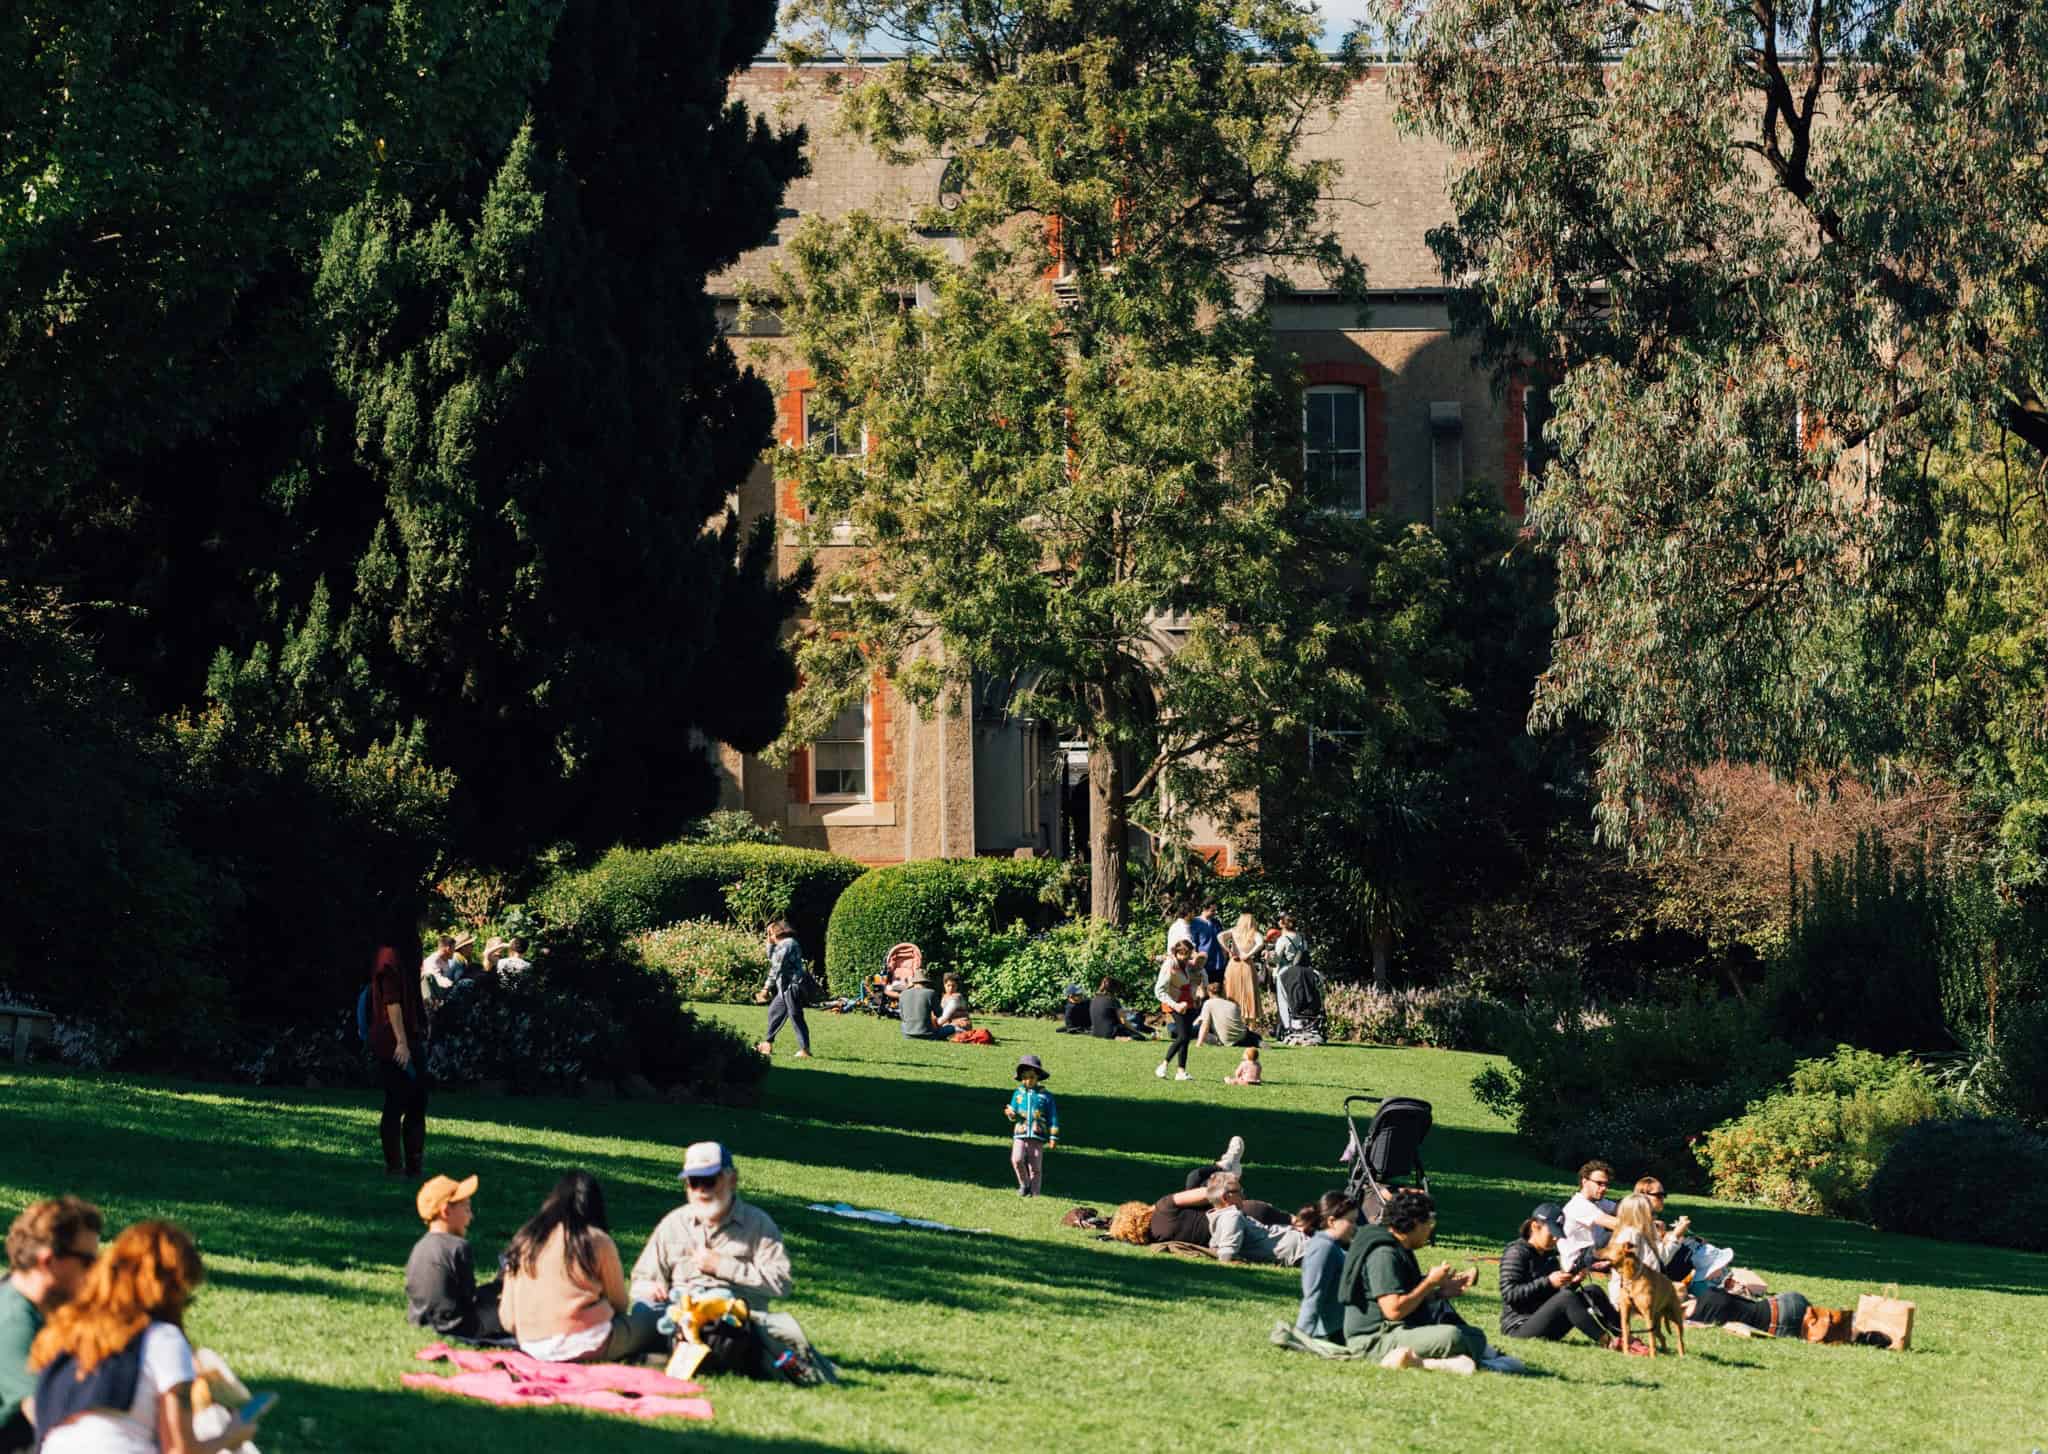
x,y
1388,1157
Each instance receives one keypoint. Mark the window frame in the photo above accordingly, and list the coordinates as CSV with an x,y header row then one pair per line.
x,y
867,746
1363,496
842,529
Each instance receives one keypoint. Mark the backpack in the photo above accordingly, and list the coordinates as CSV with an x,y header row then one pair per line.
x,y
363,1015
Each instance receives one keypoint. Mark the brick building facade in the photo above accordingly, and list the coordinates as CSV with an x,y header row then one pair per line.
x,y
1403,420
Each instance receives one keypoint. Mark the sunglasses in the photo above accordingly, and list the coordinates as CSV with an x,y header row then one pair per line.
x,y
703,1183
1601,1182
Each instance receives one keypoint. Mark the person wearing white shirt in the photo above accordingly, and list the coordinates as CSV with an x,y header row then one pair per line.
x,y
1588,1217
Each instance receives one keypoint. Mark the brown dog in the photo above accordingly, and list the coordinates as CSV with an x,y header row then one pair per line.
x,y
1648,1292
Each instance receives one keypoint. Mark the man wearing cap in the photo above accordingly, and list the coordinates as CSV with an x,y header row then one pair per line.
x,y
440,1277
1075,1019
713,1245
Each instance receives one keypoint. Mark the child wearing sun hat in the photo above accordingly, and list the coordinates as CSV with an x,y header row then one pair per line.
x,y
1035,1120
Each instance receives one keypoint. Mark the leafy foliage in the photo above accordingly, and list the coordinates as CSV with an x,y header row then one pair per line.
x,y
1634,1084
2004,1165
946,907
1050,477
1815,1144
1450,1017
632,890
1776,258
711,961
1032,977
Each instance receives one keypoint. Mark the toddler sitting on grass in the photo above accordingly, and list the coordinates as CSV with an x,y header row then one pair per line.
x,y
1247,1072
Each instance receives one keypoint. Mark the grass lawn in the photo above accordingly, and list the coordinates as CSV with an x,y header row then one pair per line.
x,y
1029,1337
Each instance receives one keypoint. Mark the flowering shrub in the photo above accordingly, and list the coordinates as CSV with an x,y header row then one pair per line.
x,y
1453,1017
1815,1144
712,962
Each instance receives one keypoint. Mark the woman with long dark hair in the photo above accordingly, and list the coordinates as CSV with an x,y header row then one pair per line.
x,y
114,1368
565,1288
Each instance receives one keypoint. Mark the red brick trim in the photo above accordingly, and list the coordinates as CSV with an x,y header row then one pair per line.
x,y
1514,457
789,431
881,741
800,775
1217,855
1365,376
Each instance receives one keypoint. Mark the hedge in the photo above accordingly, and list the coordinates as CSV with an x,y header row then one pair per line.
x,y
920,903
1973,1179
595,911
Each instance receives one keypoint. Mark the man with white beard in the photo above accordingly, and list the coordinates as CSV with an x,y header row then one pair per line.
x,y
713,1245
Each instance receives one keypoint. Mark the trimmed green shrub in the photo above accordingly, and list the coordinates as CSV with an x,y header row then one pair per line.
x,y
937,904
1575,1076
1032,978
714,963
592,911
1814,1145
1975,1179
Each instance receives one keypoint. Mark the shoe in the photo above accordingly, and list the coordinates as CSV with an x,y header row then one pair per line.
x,y
1496,1361
765,1048
1636,1346
1232,1159
1461,1364
803,1055
1161,1072
1182,1075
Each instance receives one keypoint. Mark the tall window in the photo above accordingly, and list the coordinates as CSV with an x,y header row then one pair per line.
x,y
1536,412
1333,447
823,435
839,759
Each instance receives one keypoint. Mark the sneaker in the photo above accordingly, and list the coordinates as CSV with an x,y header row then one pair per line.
x,y
1161,1072
1182,1075
1461,1364
1232,1159
1496,1361
803,1055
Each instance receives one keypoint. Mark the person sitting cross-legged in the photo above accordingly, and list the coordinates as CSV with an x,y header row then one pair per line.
x,y
1538,1298
1399,1314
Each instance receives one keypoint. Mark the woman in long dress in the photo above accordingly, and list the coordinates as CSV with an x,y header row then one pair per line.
x,y
1246,946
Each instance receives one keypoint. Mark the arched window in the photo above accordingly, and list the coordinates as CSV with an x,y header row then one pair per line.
x,y
1333,447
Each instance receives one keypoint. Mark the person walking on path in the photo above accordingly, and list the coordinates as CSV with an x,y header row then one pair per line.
x,y
1035,1121
1174,989
784,991
398,1041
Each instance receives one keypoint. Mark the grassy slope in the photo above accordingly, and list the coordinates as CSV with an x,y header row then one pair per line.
x,y
1032,1332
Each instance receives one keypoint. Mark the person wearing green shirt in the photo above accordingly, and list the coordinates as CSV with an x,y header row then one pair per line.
x,y
1395,1310
49,1248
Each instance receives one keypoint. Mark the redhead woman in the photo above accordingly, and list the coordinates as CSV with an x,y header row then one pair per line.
x,y
115,1370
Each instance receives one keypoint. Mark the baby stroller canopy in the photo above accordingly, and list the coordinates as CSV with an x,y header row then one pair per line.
x,y
1388,1157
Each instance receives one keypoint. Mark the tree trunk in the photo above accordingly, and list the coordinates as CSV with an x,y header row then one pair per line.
x,y
1382,954
1108,833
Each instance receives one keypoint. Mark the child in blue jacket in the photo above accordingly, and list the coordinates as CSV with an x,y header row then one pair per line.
x,y
1036,1119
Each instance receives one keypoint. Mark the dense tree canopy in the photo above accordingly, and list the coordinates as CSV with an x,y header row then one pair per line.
x,y
1077,472
1779,257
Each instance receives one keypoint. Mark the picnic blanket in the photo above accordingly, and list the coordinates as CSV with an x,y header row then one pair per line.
x,y
894,1219
510,1377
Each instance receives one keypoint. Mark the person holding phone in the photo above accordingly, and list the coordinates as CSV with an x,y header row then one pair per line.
x,y
1397,1313
1538,1298
115,1369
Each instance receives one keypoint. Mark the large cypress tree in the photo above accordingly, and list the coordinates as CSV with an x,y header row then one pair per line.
x,y
554,583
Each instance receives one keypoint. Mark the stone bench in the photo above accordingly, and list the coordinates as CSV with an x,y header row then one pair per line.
x,y
22,1025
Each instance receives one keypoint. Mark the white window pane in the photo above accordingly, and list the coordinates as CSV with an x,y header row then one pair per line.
x,y
842,769
851,724
1348,421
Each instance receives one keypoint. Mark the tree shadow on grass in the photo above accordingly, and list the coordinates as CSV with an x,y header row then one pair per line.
x,y
319,1417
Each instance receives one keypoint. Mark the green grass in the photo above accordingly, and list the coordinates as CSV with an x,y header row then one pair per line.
x,y
1032,1336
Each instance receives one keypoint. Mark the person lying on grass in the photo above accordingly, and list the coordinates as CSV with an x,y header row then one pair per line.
x,y
1236,1236
1396,1312
1704,1302
714,1245
440,1276
565,1292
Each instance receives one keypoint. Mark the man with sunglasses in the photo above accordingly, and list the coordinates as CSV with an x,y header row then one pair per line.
x,y
713,1245
50,1248
1588,1217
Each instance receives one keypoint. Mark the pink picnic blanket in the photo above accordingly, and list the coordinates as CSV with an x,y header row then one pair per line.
x,y
507,1376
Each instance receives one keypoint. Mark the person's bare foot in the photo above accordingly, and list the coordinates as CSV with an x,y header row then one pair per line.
x,y
1461,1364
765,1048
1401,1358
